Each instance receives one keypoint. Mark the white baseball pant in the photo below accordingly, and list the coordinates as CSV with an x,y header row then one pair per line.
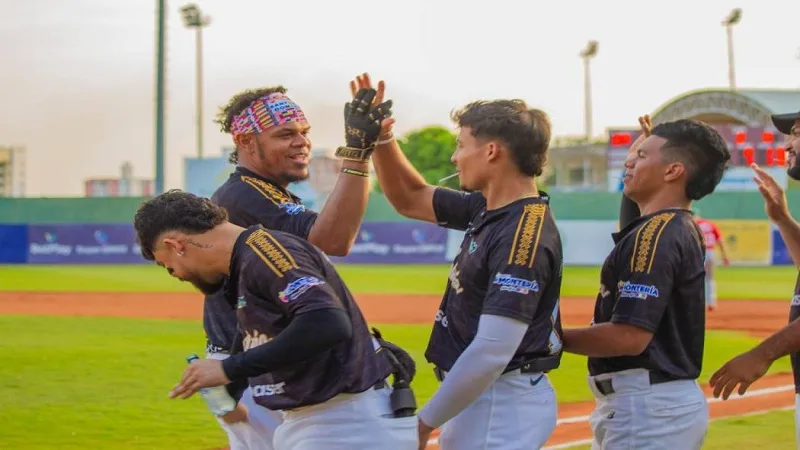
x,y
346,422
517,412
665,416
255,434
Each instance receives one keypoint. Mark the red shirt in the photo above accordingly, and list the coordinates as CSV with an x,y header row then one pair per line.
x,y
711,233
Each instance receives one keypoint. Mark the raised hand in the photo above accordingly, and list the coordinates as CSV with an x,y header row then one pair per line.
x,y
363,118
363,81
647,128
774,195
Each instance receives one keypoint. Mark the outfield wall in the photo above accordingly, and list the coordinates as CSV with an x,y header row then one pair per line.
x,y
566,206
586,242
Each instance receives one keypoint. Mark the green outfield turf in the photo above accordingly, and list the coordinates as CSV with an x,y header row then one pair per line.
x,y
732,282
102,382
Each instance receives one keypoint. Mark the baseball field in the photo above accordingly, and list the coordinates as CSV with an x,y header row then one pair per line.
x,y
90,352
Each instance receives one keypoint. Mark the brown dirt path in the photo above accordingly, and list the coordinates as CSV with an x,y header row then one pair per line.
x,y
758,318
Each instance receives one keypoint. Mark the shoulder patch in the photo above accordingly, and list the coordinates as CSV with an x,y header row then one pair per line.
x,y
526,238
267,190
274,255
646,242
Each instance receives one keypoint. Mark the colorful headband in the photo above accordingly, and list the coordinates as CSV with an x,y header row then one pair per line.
x,y
268,111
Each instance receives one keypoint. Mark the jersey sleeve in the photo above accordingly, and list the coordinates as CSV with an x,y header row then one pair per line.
x,y
647,272
455,209
287,276
520,267
259,202
717,234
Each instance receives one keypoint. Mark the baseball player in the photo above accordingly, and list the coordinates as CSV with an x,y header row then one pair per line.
x,y
271,134
712,239
307,349
745,369
645,343
497,331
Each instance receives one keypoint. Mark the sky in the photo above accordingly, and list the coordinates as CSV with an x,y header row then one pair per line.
x,y
77,78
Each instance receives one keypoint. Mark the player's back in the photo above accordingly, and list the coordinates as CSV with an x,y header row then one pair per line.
x,y
287,275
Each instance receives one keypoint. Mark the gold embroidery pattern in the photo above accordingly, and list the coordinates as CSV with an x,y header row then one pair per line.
x,y
267,190
274,255
646,242
526,238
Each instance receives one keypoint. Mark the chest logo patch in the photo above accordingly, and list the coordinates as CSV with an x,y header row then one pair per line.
x,y
240,303
473,246
512,284
298,287
626,289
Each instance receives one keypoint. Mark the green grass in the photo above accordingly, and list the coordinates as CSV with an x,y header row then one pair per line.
x,y
732,282
773,430
73,382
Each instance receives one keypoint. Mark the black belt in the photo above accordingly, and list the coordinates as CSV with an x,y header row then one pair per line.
x,y
538,365
606,388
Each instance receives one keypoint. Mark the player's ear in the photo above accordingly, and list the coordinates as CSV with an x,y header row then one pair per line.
x,y
175,245
492,151
674,171
245,142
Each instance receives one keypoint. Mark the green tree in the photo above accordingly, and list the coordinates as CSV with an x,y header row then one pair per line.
x,y
429,149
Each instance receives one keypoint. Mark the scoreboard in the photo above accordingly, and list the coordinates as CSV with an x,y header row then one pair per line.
x,y
760,145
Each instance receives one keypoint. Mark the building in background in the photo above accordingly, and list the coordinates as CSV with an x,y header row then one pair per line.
x,y
741,117
12,172
124,186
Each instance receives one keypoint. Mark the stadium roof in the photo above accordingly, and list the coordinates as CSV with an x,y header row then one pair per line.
x,y
744,106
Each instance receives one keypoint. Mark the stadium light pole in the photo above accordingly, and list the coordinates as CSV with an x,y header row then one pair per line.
x,y
732,19
587,54
159,100
194,18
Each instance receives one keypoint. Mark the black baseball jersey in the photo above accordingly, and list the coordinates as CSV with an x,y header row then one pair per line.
x,y
794,314
274,277
250,200
509,264
654,278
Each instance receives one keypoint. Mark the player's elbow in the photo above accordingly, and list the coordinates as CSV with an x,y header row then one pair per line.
x,y
340,248
634,340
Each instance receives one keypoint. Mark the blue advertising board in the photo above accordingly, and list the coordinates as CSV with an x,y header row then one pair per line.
x,y
83,244
780,254
398,243
13,244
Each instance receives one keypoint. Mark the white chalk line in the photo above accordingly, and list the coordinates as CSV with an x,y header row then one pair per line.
x,y
753,393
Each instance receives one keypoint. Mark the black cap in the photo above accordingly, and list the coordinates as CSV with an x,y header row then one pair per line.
x,y
785,122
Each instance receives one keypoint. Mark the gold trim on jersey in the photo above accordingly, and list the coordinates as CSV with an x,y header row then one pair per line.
x,y
646,242
274,255
267,190
526,238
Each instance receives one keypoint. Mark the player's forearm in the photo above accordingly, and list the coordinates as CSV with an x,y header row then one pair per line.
x,y
476,369
606,340
400,181
308,335
337,225
784,342
790,232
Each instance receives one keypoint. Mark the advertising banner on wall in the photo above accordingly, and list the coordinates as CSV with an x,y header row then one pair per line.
x,y
83,244
748,242
780,254
398,243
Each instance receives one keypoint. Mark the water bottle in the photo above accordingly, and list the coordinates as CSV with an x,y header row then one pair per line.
x,y
217,398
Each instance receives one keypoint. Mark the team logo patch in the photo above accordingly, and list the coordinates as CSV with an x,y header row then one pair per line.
x,y
292,208
626,289
513,284
240,303
796,300
298,287
473,246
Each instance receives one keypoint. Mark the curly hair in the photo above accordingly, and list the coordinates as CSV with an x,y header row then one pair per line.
x,y
525,131
237,104
174,210
700,148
